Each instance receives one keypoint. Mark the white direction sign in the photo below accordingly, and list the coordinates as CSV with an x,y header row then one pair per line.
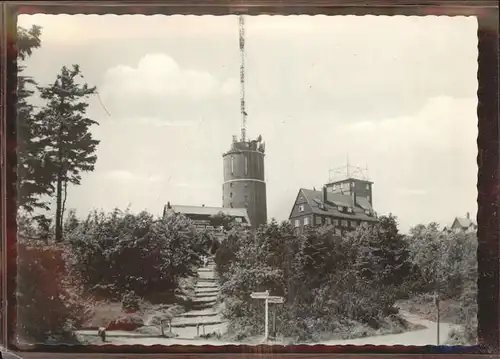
x,y
260,295
277,300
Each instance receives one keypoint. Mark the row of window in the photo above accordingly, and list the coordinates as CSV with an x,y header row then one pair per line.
x,y
345,185
329,221
339,208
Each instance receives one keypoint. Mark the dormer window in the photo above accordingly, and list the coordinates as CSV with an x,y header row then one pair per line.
x,y
368,213
350,210
301,208
340,208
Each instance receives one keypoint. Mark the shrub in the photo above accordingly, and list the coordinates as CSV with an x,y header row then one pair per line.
x,y
119,252
131,302
49,302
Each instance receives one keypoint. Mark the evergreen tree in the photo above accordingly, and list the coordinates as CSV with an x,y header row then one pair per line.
x,y
64,132
33,171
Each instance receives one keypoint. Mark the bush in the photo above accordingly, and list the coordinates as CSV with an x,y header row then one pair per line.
x,y
131,302
49,302
325,279
119,252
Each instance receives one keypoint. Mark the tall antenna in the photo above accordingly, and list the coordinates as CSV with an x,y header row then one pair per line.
x,y
242,79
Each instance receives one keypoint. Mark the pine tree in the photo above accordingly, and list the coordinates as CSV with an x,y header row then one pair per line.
x,y
33,171
64,132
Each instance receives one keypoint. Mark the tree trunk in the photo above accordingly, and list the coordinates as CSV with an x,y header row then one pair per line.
x,y
59,208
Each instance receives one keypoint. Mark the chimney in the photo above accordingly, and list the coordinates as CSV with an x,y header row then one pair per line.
x,y
325,195
168,205
203,205
468,215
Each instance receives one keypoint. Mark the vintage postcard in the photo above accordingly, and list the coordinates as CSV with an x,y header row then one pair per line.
x,y
244,179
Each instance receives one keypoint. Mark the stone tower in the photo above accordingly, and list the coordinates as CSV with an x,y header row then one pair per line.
x,y
244,181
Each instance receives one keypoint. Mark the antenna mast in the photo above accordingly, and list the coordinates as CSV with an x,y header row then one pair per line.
x,y
242,78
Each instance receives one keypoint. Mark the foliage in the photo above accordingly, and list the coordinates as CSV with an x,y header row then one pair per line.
x,y
131,302
118,252
64,132
327,281
49,302
33,169
447,264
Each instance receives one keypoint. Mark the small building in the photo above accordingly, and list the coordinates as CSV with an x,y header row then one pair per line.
x,y
344,204
205,217
463,224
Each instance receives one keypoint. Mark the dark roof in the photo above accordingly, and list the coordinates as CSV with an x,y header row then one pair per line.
x,y
315,200
210,211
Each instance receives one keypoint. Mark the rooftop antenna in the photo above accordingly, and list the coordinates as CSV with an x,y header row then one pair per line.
x,y
242,78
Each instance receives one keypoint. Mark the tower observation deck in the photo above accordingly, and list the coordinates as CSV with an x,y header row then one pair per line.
x,y
244,179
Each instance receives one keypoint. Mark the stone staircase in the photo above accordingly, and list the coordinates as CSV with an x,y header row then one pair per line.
x,y
205,317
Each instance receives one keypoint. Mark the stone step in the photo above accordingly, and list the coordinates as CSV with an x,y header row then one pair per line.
x,y
209,292
206,284
203,305
200,313
210,298
205,295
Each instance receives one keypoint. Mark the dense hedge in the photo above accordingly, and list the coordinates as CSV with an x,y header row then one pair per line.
x,y
118,252
50,304
334,284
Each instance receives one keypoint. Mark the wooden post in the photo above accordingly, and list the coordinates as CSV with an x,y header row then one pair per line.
x,y
266,333
274,320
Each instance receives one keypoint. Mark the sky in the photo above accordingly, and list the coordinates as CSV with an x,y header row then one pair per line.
x,y
395,94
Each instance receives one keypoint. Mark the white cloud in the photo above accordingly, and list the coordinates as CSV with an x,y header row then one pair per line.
x,y
157,87
159,75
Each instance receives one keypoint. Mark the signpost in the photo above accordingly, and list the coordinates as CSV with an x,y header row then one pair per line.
x,y
268,299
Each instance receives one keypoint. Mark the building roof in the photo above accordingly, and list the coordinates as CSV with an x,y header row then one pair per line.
x,y
210,211
463,222
315,200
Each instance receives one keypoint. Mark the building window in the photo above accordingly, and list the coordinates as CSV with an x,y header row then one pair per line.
x,y
231,205
301,208
344,223
230,194
353,224
336,222
318,220
349,210
334,187
246,165
367,186
246,198
297,223
246,205
306,221
232,165
353,184
328,220
231,184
